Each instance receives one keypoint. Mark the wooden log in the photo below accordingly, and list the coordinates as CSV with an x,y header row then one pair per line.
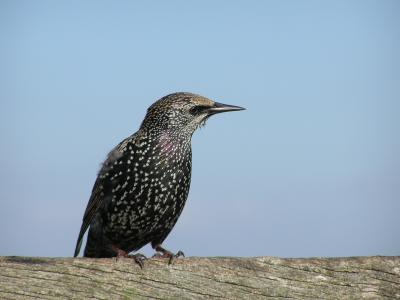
x,y
201,278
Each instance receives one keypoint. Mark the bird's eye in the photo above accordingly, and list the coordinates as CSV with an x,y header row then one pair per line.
x,y
195,110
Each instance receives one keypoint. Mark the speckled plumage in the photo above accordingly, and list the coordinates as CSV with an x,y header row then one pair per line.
x,y
143,184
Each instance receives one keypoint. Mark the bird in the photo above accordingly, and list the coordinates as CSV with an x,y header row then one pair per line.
x,y
143,184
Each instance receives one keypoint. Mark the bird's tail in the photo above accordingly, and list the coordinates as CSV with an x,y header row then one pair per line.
x,y
79,241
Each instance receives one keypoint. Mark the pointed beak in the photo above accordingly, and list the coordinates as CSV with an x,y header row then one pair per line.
x,y
220,107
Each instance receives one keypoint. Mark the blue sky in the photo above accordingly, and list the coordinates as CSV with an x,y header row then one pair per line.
x,y
311,168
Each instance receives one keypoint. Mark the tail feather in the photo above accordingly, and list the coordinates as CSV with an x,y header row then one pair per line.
x,y
79,241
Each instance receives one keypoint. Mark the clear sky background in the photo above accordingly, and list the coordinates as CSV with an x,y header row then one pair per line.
x,y
311,168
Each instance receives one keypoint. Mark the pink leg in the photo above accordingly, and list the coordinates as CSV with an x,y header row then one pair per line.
x,y
138,257
164,253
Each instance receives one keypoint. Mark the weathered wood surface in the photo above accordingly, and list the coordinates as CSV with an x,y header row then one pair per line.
x,y
201,278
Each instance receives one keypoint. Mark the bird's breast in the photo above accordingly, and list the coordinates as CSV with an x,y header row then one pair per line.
x,y
153,192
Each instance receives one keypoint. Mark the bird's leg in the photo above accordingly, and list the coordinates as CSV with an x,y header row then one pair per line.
x,y
164,253
139,258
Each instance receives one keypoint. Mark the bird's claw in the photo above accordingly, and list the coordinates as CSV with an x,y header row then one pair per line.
x,y
179,254
139,258
168,254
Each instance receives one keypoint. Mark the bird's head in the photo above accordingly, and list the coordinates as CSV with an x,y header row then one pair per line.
x,y
182,113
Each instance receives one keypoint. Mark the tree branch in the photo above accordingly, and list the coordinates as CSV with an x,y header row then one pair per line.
x,y
200,278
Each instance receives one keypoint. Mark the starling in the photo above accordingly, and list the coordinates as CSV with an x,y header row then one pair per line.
x,y
144,182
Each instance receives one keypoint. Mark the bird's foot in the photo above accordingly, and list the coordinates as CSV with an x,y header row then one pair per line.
x,y
164,253
138,258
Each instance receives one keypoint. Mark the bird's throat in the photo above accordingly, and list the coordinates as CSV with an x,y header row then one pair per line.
x,y
170,144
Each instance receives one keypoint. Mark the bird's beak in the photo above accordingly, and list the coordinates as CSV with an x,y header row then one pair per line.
x,y
220,107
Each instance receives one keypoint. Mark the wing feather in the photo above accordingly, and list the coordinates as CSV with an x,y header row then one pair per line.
x,y
100,188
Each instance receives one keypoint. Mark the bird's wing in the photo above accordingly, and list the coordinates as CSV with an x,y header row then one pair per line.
x,y
100,188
